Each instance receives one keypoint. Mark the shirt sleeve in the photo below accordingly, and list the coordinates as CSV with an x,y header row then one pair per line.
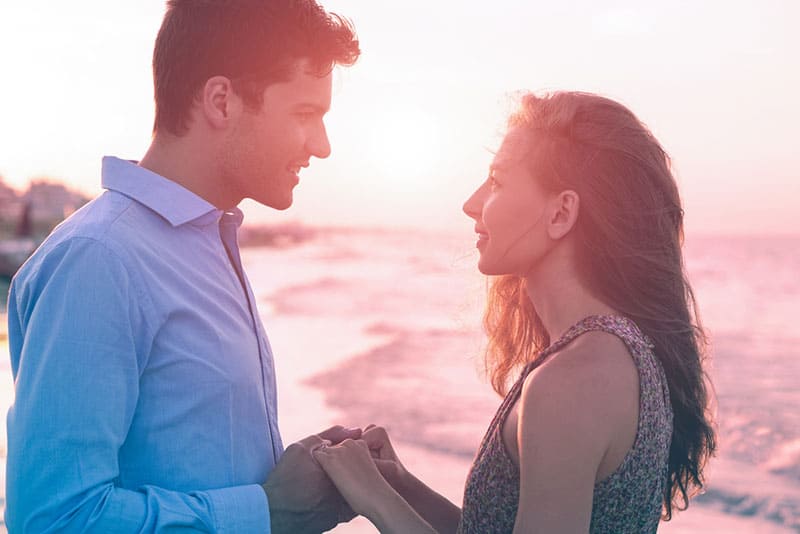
x,y
79,334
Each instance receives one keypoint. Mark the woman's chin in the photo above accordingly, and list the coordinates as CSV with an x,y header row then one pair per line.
x,y
487,268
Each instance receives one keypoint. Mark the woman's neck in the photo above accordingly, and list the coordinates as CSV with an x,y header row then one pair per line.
x,y
561,299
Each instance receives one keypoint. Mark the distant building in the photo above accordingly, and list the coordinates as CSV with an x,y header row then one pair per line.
x,y
25,219
10,202
52,201
38,210
6,192
8,197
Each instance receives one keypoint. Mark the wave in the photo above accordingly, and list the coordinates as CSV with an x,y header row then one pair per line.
x,y
743,489
423,387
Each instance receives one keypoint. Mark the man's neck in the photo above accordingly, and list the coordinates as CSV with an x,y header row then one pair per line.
x,y
180,160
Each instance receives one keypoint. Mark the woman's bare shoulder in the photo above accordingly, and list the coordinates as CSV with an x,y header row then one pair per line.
x,y
591,383
593,357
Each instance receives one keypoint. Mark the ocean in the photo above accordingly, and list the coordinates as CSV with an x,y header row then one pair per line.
x,y
383,326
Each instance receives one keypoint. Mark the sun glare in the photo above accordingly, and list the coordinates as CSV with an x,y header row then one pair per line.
x,y
405,147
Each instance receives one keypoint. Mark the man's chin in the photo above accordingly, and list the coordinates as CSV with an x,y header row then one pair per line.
x,y
276,204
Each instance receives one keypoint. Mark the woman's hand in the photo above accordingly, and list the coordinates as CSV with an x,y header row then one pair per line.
x,y
352,469
386,458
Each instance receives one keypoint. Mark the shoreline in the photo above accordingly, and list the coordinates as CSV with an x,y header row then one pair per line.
x,y
304,409
330,307
446,470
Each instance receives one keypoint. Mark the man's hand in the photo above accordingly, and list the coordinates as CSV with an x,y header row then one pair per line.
x,y
302,499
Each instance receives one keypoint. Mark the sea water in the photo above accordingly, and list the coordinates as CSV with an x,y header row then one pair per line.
x,y
416,300
383,326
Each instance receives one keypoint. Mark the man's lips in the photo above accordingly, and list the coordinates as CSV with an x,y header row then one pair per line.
x,y
294,168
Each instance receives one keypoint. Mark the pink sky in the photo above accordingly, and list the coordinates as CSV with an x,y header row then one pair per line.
x,y
413,122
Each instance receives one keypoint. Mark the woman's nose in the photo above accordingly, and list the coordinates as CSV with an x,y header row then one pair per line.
x,y
474,205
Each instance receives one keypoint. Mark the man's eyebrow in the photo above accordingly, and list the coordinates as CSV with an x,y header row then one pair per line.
x,y
311,106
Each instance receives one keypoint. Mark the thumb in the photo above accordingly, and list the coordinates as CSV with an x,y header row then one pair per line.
x,y
321,446
337,434
312,442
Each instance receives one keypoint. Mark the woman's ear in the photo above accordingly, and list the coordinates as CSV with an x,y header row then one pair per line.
x,y
219,102
564,214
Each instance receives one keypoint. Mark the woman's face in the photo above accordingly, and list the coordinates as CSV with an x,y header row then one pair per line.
x,y
509,210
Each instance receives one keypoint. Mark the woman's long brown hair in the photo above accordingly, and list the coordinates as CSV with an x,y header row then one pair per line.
x,y
629,234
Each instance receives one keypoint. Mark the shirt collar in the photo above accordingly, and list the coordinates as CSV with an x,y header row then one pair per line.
x,y
172,201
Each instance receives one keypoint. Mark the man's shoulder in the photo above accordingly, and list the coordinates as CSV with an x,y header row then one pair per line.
x,y
112,222
95,220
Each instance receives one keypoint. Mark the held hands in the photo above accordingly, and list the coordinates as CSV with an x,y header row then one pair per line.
x,y
364,471
355,475
301,497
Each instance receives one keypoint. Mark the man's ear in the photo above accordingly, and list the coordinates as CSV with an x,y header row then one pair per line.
x,y
564,214
219,103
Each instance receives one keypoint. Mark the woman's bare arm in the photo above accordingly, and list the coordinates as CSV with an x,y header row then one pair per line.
x,y
571,411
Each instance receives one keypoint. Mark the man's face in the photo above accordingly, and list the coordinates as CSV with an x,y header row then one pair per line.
x,y
268,147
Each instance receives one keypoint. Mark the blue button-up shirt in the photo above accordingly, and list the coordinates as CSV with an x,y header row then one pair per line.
x,y
145,387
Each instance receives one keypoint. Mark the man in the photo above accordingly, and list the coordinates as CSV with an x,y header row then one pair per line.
x,y
145,387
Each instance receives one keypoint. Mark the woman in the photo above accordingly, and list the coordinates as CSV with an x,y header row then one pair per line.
x,y
606,428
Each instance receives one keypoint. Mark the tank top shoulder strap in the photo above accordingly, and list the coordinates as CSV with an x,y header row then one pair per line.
x,y
638,344
617,325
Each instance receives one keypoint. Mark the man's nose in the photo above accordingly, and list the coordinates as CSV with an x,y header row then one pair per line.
x,y
318,144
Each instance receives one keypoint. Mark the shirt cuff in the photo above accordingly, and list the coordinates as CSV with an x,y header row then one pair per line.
x,y
240,509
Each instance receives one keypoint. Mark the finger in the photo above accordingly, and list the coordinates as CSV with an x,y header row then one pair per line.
x,y
368,427
350,443
374,430
378,440
376,437
326,449
349,447
360,444
325,443
337,434
311,442
322,457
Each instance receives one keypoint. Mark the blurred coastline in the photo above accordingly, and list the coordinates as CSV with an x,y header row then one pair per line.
x,y
26,218
383,326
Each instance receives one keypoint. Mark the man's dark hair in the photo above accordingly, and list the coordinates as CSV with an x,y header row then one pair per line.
x,y
254,43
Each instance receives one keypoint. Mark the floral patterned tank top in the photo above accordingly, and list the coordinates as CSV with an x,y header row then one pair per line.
x,y
630,499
